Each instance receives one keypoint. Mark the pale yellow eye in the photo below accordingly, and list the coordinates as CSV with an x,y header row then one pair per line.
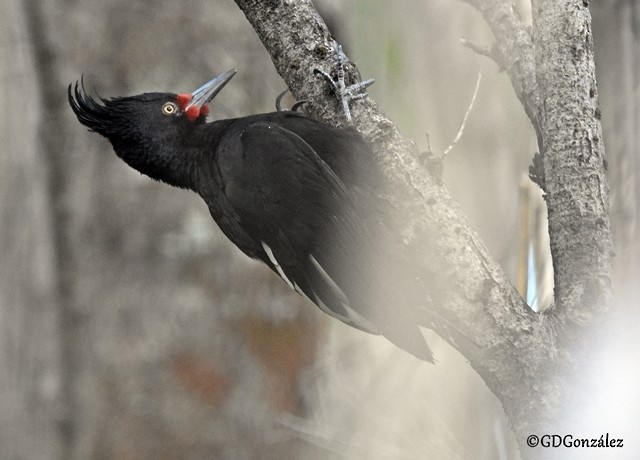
x,y
169,108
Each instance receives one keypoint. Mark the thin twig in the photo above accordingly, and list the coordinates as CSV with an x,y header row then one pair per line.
x,y
481,50
464,120
429,149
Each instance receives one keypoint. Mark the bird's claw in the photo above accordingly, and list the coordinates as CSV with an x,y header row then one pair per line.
x,y
294,107
344,93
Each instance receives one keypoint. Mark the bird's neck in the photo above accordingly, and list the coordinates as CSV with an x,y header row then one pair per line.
x,y
172,160
181,161
206,175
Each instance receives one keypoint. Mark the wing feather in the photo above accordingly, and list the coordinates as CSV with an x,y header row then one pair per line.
x,y
308,227
290,200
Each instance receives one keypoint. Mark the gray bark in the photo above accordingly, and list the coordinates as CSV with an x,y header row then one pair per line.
x,y
527,360
574,166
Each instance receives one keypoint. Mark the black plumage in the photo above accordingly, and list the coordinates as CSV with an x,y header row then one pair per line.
x,y
286,189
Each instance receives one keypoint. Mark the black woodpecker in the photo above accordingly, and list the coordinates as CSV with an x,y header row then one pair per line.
x,y
286,189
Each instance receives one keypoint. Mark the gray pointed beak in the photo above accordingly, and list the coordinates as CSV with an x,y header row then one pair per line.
x,y
208,91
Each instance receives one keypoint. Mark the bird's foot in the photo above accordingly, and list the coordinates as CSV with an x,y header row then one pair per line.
x,y
344,93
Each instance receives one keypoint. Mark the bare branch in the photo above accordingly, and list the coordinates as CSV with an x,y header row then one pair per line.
x,y
509,342
573,161
514,52
481,50
464,120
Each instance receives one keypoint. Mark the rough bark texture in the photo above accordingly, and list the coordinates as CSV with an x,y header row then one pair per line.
x,y
515,351
480,301
574,170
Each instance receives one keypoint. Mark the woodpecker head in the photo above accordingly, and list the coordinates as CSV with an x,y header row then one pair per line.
x,y
151,132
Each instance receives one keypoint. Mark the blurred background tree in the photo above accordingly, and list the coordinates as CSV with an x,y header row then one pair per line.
x,y
131,328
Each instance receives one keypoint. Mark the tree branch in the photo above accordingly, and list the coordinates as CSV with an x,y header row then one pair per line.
x,y
574,167
505,342
560,71
514,52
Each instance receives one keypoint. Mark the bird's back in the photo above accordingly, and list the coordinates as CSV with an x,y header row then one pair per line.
x,y
302,196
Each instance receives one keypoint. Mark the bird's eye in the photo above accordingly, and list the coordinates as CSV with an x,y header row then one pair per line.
x,y
169,108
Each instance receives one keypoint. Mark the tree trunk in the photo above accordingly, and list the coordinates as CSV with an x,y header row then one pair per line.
x,y
51,146
527,360
29,352
574,166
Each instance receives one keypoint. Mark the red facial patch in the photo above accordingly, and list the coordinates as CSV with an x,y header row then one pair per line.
x,y
183,100
192,113
204,110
